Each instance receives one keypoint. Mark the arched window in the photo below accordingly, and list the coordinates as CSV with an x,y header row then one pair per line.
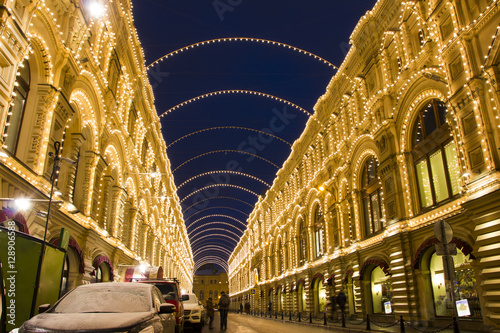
x,y
371,193
318,232
16,111
280,257
434,155
302,243
271,261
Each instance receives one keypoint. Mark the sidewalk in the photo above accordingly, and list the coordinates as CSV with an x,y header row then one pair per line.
x,y
361,326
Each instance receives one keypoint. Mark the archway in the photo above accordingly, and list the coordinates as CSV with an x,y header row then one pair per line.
x,y
301,296
381,291
465,281
319,295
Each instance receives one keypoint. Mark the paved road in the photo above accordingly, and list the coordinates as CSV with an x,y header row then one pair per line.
x,y
241,323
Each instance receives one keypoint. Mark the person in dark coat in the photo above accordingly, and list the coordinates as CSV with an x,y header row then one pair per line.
x,y
210,312
247,307
341,300
241,307
224,303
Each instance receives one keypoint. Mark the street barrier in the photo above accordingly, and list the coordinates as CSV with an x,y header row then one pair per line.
x,y
326,320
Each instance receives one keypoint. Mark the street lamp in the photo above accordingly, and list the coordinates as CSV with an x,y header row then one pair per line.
x,y
55,173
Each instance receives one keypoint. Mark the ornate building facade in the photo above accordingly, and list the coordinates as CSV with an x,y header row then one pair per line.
x,y
407,134
207,283
76,76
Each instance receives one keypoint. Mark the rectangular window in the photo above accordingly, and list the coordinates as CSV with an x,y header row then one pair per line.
x,y
375,211
453,167
367,216
424,184
439,176
319,242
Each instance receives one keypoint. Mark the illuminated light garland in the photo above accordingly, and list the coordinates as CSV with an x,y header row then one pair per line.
x,y
242,39
214,237
195,236
223,172
247,92
229,127
218,197
216,222
215,215
211,248
217,185
209,260
225,151
217,207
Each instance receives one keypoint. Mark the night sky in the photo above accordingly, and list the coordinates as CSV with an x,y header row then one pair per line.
x,y
261,128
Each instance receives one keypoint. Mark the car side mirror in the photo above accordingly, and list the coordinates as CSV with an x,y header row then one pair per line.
x,y
44,307
167,308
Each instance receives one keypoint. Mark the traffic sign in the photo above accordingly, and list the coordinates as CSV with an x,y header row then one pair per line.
x,y
443,231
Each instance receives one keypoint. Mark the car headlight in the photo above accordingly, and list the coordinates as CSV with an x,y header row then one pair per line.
x,y
149,329
195,311
15,330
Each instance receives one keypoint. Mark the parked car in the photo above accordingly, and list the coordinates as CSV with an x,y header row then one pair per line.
x,y
106,307
195,314
172,294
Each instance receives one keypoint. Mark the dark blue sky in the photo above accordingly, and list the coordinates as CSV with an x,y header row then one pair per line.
x,y
321,27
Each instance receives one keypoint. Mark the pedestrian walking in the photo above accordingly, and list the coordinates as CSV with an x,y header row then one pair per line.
x,y
223,309
270,307
341,300
241,307
210,312
247,307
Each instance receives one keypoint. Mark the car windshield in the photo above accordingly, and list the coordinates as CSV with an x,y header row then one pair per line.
x,y
105,299
188,299
168,291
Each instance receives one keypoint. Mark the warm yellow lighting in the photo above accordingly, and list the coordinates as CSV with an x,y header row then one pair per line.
x,y
22,204
96,9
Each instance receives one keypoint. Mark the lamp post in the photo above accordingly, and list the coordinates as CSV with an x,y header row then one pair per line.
x,y
53,177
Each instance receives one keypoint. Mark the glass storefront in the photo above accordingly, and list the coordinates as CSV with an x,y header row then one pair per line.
x,y
465,285
381,292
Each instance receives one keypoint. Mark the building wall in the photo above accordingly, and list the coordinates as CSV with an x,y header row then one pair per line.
x,y
214,283
88,90
410,63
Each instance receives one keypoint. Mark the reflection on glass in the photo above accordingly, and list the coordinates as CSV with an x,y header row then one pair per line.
x,y
439,176
453,168
381,290
424,184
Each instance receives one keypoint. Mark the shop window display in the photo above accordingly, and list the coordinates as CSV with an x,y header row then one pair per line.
x,y
465,285
381,289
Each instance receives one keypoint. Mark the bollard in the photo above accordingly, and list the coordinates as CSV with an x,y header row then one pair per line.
x,y
343,319
368,327
402,324
310,318
299,316
456,329
324,318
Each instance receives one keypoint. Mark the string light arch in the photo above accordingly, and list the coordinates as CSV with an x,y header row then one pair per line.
x,y
241,39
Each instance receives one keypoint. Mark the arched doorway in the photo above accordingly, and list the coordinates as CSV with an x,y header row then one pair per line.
x,y
319,295
102,269
280,299
381,291
301,296
350,292
465,281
